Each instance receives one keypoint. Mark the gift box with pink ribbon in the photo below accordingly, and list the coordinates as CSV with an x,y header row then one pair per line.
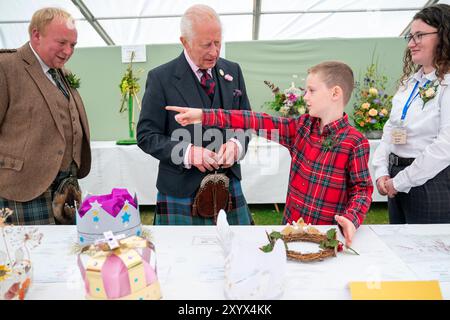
x,y
117,268
117,212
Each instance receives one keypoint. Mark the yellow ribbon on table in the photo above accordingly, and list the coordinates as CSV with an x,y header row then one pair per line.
x,y
129,256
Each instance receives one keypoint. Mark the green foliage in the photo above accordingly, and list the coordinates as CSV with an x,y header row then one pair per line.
x,y
73,80
272,237
331,241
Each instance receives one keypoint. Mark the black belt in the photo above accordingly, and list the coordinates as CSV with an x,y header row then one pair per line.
x,y
395,160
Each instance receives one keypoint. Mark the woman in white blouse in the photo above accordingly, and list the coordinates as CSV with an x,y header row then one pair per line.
x,y
412,162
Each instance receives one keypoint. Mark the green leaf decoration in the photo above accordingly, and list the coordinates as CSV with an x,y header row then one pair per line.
x,y
333,243
331,234
275,235
73,80
267,248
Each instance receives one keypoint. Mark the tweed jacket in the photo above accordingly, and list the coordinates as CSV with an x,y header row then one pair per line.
x,y
32,141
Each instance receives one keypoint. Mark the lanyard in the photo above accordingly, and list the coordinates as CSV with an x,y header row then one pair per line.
x,y
411,99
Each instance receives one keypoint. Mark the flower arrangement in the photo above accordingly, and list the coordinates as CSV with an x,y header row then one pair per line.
x,y
129,88
373,105
73,81
289,102
428,91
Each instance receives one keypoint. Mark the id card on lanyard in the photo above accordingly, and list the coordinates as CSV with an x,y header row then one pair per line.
x,y
398,134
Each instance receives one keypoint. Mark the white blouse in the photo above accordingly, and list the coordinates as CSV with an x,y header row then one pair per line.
x,y
428,134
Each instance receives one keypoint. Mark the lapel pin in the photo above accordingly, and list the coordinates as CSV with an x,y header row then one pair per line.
x,y
221,72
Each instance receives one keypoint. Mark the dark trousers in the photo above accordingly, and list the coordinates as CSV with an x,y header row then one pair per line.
x,y
428,203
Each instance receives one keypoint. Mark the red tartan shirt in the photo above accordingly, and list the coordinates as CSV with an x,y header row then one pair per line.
x,y
329,172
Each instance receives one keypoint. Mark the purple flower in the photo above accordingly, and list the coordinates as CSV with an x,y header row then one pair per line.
x,y
237,93
373,121
377,101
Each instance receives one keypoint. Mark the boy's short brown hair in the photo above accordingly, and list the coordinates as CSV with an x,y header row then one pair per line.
x,y
336,73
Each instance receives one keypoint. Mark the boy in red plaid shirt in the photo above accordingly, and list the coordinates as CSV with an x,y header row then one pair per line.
x,y
329,177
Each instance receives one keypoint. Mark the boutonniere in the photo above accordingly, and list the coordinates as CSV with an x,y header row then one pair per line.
x,y
227,76
428,91
73,81
237,93
329,143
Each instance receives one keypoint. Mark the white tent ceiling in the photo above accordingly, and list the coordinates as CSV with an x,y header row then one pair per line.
x,y
119,22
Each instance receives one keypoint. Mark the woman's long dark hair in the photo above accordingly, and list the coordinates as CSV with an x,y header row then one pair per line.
x,y
437,16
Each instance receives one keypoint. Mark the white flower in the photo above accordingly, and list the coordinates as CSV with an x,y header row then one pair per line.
x,y
293,90
430,92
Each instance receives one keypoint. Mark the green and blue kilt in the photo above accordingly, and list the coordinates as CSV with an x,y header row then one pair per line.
x,y
39,210
36,211
178,211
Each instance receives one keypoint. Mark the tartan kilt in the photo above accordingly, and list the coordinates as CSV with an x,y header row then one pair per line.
x,y
178,211
38,211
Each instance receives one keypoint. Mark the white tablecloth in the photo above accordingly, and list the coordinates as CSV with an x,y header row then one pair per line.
x,y
265,171
190,261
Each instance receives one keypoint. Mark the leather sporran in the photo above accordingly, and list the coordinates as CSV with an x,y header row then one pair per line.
x,y
212,196
66,199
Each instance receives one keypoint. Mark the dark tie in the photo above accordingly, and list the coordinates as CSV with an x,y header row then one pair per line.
x,y
207,83
55,75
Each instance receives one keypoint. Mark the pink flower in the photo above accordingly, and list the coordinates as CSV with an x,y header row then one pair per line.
x,y
228,77
292,97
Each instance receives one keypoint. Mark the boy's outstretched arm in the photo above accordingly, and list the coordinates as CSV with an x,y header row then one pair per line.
x,y
187,116
278,129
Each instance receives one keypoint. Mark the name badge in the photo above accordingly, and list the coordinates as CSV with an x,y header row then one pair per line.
x,y
398,135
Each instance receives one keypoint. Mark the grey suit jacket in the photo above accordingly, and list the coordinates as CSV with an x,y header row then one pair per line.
x,y
31,137
174,83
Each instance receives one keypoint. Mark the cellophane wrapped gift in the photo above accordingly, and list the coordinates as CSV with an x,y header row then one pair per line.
x,y
117,212
126,272
16,272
